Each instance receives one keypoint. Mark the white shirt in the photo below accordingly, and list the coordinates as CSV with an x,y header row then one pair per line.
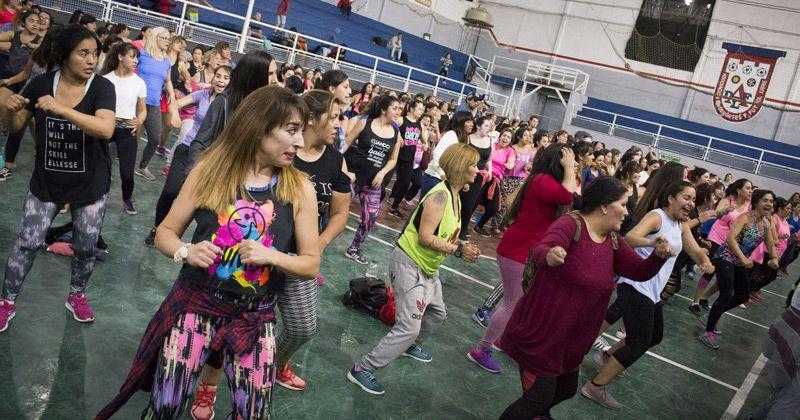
x,y
448,139
671,231
643,177
129,90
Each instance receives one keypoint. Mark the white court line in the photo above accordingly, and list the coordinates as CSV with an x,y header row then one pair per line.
x,y
678,365
738,400
398,232
773,293
656,356
729,314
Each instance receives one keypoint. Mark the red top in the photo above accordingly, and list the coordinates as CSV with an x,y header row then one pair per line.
x,y
555,323
536,212
283,7
7,15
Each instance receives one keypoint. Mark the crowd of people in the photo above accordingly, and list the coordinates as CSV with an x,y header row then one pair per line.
x,y
260,145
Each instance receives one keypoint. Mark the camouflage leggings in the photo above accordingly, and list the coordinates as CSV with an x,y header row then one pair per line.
x,y
36,219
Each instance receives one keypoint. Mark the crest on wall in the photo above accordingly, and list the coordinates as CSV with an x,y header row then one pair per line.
x,y
743,81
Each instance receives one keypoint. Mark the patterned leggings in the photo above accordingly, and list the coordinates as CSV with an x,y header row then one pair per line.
x,y
185,351
507,186
36,219
370,199
298,308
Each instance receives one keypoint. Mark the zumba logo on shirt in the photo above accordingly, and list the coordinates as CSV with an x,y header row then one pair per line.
x,y
411,136
65,146
239,222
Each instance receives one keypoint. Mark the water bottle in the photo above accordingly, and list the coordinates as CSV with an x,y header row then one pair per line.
x,y
372,271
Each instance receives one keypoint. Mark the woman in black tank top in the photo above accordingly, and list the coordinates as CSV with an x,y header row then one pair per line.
x,y
371,152
481,142
178,75
256,229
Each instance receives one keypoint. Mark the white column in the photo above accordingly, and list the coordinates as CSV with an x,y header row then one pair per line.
x,y
246,26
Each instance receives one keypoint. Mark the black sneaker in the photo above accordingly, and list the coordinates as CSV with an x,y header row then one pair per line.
x,y
129,208
150,240
396,213
6,173
695,309
356,256
704,305
481,231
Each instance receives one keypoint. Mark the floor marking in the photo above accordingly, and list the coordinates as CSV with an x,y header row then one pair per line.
x,y
680,366
662,358
729,314
773,293
397,231
732,412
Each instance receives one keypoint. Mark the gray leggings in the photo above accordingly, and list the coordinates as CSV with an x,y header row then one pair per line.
x,y
298,307
152,125
36,219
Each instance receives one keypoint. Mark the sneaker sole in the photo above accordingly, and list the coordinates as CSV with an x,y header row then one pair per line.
x,y
8,321
352,379
5,178
495,348
589,397
287,386
417,358
477,320
354,259
69,308
469,356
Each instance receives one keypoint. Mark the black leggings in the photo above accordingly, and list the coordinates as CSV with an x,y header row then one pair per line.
x,y
13,141
761,276
490,205
541,396
126,151
734,290
644,324
469,200
178,172
404,171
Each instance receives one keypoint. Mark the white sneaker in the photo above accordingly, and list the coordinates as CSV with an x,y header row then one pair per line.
x,y
601,344
620,333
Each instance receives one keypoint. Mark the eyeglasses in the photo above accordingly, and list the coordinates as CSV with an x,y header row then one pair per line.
x,y
164,38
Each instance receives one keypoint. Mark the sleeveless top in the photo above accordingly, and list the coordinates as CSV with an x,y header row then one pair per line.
x,y
782,227
484,152
523,158
19,53
671,231
720,228
429,259
630,219
256,216
369,153
749,239
175,78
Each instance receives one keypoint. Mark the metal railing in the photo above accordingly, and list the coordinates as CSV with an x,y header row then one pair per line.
x,y
692,144
360,66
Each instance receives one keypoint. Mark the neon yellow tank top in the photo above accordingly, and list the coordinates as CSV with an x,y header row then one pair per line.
x,y
430,259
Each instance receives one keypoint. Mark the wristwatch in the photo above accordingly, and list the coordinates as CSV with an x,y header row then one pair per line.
x,y
458,250
181,254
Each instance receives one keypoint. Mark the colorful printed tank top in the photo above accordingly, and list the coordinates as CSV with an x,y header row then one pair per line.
x,y
749,239
257,216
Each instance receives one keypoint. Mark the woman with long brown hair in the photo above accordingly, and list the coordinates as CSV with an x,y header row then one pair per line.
x,y
252,207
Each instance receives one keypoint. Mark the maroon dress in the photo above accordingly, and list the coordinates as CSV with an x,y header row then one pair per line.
x,y
555,323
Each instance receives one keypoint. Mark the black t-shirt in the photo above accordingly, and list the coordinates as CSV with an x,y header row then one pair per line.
x,y
369,154
327,176
410,132
71,166
261,218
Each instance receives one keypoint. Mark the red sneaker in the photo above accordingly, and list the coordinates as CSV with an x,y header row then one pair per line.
x,y
79,306
287,379
758,297
203,405
7,311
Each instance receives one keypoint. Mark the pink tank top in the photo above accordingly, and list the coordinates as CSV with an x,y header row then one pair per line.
x,y
783,228
720,229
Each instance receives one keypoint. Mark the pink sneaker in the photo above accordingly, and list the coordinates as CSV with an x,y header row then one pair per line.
x,y
79,307
288,379
320,280
496,346
203,406
7,311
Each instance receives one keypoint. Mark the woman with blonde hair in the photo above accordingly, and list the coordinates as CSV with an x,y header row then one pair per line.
x,y
251,207
212,59
430,235
154,67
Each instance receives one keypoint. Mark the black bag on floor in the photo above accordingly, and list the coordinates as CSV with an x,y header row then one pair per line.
x,y
366,294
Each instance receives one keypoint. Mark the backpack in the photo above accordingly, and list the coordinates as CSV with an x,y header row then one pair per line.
x,y
371,296
529,273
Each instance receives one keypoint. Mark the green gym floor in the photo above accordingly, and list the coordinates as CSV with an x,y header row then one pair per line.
x,y
55,368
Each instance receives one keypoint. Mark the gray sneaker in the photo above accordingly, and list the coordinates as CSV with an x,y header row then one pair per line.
x,y
144,173
600,395
600,358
